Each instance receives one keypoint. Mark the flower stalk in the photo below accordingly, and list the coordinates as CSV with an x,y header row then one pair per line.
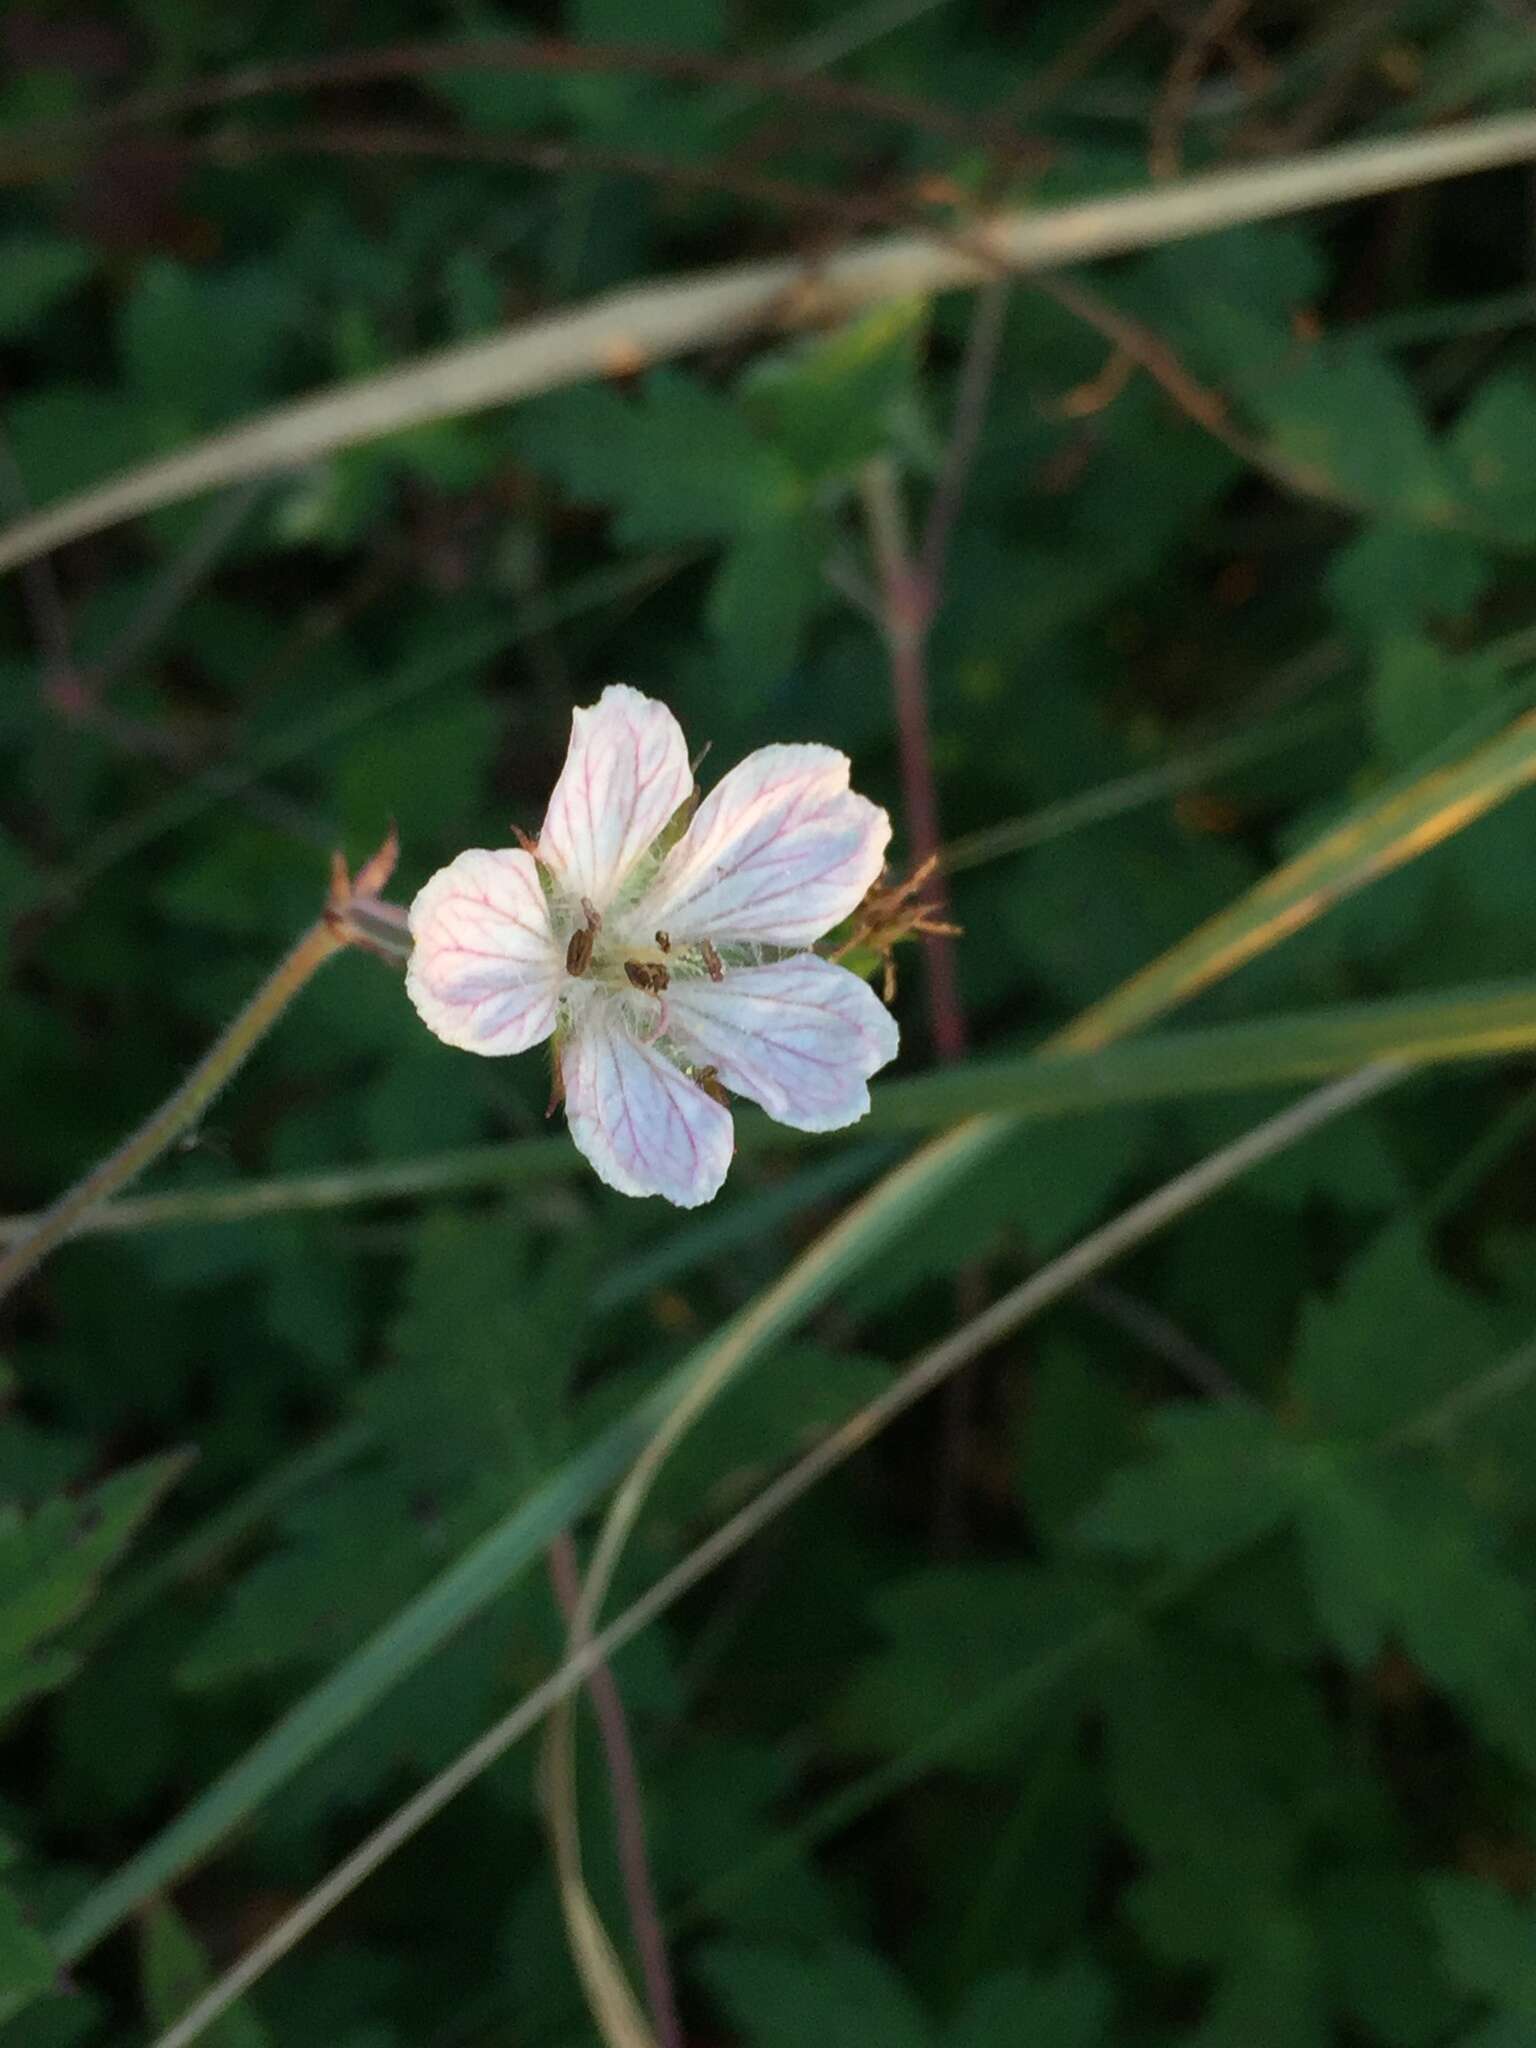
x,y
353,916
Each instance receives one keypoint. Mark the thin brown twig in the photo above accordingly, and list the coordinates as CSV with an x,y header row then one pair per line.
x,y
628,1810
1158,1333
978,366
353,915
181,577
234,147
1076,60
1356,43
549,55
1242,52
1205,407
912,590
1227,38
1169,116
39,587
909,602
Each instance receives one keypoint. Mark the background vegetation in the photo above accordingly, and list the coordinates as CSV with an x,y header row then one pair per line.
x,y
1169,1676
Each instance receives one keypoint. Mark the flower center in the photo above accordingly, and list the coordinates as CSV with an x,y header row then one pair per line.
x,y
599,958
592,956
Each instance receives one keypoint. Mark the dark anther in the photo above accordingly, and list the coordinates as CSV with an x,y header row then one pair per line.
x,y
643,974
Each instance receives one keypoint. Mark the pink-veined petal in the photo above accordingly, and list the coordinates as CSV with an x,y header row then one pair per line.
x,y
644,1126
800,1036
778,852
485,969
625,774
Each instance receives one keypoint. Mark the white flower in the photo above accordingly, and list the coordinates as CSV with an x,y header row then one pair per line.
x,y
667,974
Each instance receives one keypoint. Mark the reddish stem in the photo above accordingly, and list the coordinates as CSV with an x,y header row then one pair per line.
x,y
909,617
628,1812
912,589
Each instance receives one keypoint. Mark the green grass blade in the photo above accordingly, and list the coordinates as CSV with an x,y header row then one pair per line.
x,y
1453,1025
1382,835
494,1562
1407,821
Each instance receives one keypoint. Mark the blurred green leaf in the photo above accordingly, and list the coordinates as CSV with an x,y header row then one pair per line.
x,y
1389,1971
27,1963
36,273
1220,1478
679,462
1489,1941
65,436
423,769
1420,696
768,588
1394,1337
174,1971
840,1997
1350,416
53,1560
1484,448
1069,2007
1397,1558
955,1635
1208,1748
832,403
199,350
1079,1429
1395,580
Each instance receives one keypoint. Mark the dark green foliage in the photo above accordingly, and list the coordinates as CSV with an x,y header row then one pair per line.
x,y
1176,1686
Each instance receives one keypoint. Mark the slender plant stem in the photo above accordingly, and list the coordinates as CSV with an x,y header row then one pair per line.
x,y
909,602
237,149
40,591
180,1111
354,915
1266,1053
1160,1334
1173,1200
797,83
912,592
1488,1151
1143,786
175,585
1177,97
978,367
628,1810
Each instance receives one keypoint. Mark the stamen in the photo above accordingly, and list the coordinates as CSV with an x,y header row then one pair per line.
x,y
714,967
578,954
663,939
650,976
708,1079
